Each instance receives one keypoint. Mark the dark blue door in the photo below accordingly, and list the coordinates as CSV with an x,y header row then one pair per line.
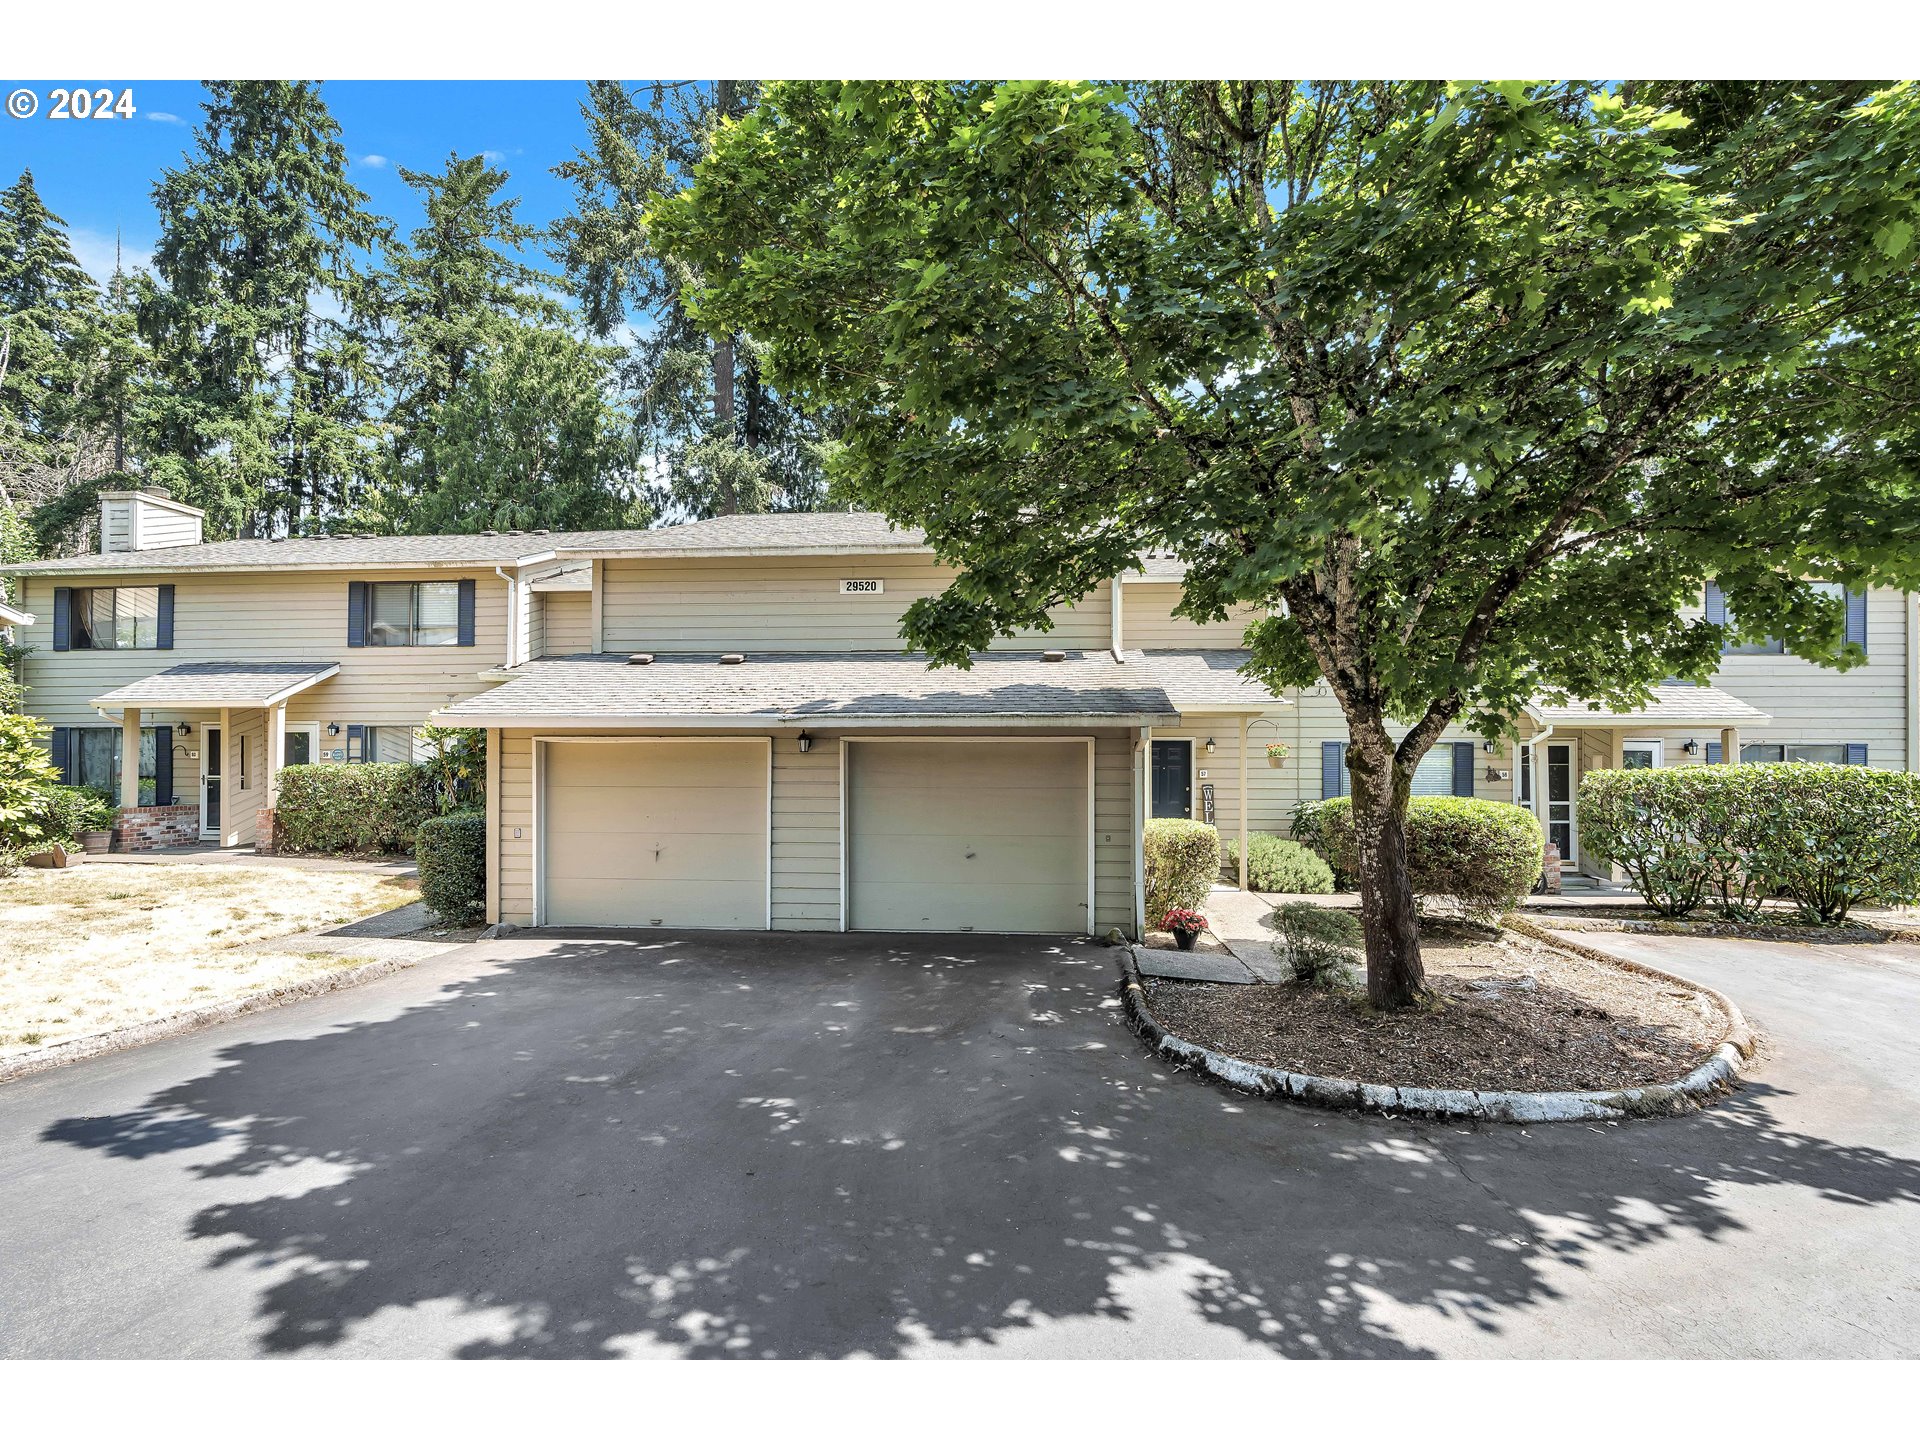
x,y
1172,780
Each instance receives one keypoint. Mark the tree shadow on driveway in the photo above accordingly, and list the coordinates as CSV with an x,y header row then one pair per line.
x,y
837,1145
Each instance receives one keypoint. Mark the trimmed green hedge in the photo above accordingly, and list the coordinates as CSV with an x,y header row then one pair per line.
x,y
1182,862
1281,867
452,854
351,809
1483,854
1828,837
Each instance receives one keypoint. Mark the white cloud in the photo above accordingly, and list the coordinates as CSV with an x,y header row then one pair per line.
x,y
372,162
493,157
165,117
94,251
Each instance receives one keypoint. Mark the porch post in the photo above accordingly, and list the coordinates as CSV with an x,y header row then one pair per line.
x,y
1243,802
276,751
493,826
229,824
1140,833
1730,745
130,758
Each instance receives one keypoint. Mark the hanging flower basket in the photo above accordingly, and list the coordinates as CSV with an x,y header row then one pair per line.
x,y
1277,756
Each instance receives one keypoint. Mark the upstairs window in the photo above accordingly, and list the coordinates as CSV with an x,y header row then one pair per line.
x,y
1856,634
120,617
425,612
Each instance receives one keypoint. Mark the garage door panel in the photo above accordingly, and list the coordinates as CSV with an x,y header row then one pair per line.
x,y
655,833
621,901
967,836
662,857
986,859
1033,909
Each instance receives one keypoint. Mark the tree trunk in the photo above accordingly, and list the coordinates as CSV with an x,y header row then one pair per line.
x,y
1395,976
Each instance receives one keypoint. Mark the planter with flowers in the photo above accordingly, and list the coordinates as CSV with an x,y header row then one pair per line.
x,y
1186,926
1277,755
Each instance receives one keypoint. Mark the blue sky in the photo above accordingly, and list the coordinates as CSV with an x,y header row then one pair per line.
x,y
98,174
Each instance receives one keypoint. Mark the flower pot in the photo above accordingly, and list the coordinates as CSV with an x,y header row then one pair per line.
x,y
1278,762
96,842
1186,939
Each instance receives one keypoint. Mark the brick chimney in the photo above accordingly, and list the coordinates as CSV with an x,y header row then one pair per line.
x,y
147,519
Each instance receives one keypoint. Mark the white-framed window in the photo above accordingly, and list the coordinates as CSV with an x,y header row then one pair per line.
x,y
118,617
1809,753
413,612
1772,645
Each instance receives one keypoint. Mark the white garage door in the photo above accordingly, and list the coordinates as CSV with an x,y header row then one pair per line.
x,y
669,833
967,835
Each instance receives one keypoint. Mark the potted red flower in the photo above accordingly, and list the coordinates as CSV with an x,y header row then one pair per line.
x,y
1186,926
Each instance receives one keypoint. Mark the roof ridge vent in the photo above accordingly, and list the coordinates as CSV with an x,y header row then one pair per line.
x,y
1053,657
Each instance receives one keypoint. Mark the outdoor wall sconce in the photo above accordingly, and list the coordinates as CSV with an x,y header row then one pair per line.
x,y
1692,747
184,728
806,742
1209,745
1487,745
333,727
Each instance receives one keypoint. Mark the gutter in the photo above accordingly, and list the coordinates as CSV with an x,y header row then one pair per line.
x,y
501,720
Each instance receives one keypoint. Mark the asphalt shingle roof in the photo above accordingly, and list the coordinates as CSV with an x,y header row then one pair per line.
x,y
801,533
1673,703
822,688
239,683
1204,677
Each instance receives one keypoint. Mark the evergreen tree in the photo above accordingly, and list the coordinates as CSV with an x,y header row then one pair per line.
x,y
263,417
719,438
70,353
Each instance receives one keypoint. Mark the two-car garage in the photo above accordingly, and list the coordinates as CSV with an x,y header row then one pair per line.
x,y
950,833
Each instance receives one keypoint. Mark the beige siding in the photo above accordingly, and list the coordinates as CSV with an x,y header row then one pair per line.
x,y
116,525
794,603
564,623
806,831
160,528
242,802
299,615
1150,624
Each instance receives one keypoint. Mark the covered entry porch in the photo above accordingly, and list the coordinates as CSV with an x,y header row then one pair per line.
x,y
1683,724
238,712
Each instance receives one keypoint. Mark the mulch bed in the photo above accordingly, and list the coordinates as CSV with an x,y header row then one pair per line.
x,y
1510,1014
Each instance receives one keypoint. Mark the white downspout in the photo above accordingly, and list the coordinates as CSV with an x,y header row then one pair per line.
x,y
513,615
1118,637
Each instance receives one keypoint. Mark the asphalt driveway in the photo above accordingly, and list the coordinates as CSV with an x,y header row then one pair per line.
x,y
836,1145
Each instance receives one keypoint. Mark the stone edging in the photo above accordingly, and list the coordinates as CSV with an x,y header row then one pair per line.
x,y
86,1047
1713,1078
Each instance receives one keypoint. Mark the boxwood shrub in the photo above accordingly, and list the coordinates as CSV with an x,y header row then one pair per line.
x,y
1484,855
1280,866
452,854
351,809
1828,837
1182,862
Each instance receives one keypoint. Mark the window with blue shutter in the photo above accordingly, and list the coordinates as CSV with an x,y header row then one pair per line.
x,y
356,614
1333,769
1463,768
164,624
1857,619
62,618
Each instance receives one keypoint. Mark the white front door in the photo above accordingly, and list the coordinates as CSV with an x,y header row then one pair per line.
x,y
209,782
1641,755
1562,827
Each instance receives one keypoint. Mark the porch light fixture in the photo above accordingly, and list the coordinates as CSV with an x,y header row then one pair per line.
x,y
184,728
333,727
1209,744
1487,745
1692,747
805,742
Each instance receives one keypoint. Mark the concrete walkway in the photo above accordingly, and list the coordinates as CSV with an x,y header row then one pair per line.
x,y
390,935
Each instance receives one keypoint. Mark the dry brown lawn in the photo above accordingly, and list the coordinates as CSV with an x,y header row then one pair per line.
x,y
101,946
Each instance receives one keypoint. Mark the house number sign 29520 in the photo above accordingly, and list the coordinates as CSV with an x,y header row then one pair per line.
x,y
863,587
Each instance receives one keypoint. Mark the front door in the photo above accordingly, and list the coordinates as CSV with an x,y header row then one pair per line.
x,y
1561,828
210,748
1172,779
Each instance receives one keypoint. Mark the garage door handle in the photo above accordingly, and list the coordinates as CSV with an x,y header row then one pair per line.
x,y
969,854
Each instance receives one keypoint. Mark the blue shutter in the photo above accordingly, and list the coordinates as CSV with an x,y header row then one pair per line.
x,y
1463,768
62,618
163,761
356,613
1856,754
1857,618
1333,759
466,612
1713,752
163,639
1716,604
62,748
357,753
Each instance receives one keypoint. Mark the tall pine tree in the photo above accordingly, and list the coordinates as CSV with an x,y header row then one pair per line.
x,y
263,418
719,439
70,352
500,416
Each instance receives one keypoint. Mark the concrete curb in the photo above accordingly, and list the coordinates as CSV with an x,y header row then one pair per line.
x,y
128,1037
1710,1080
